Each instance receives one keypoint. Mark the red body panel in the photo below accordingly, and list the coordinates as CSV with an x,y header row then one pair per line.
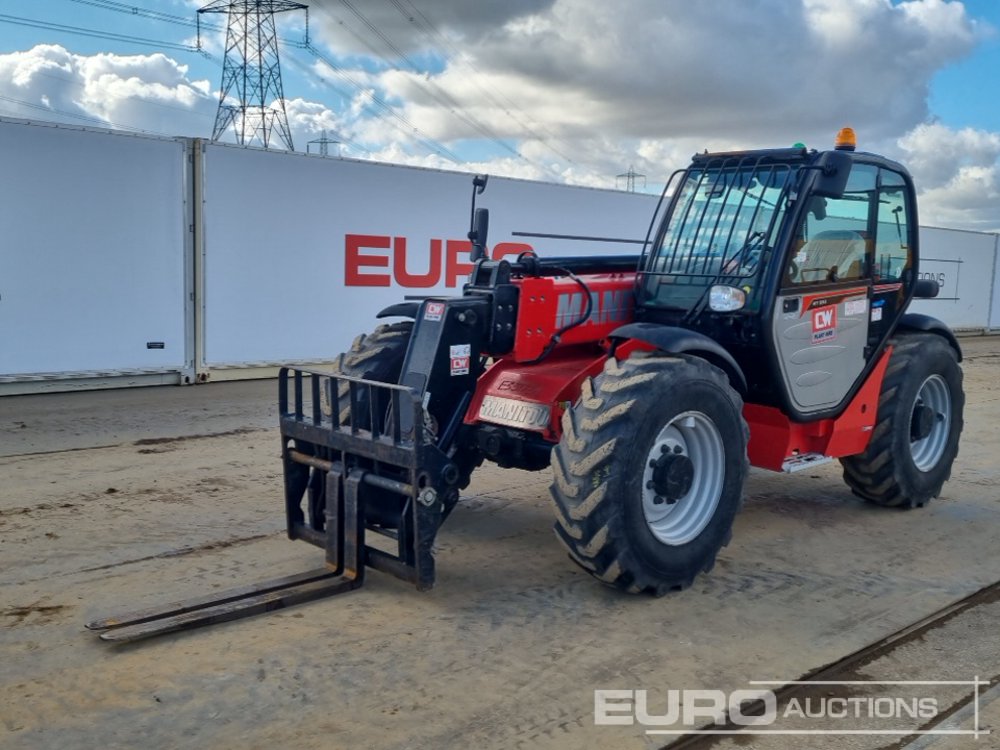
x,y
775,438
554,382
548,304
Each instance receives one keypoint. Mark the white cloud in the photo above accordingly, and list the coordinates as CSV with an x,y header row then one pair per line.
x,y
413,28
146,92
957,173
760,70
142,92
583,89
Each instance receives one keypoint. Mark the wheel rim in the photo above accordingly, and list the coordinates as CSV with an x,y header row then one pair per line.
x,y
934,396
691,435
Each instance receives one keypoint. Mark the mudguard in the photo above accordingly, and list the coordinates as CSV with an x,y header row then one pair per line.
x,y
683,341
400,310
927,324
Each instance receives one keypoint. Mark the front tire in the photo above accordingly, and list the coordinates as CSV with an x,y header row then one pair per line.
x,y
649,473
917,428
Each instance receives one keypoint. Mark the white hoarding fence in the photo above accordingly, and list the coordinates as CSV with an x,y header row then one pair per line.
x,y
995,299
92,260
170,259
964,265
298,276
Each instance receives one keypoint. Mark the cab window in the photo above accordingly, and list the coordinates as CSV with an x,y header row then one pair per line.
x,y
892,247
834,240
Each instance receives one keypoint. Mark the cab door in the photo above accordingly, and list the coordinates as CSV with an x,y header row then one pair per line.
x,y
821,319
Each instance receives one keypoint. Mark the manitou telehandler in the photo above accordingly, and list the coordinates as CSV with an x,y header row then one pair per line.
x,y
764,323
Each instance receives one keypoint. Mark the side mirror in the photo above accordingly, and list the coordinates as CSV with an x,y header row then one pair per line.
x,y
835,168
480,230
479,222
926,289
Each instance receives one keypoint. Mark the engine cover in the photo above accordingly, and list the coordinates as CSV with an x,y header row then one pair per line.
x,y
549,304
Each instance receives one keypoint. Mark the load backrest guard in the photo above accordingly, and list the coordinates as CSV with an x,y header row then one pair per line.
x,y
348,458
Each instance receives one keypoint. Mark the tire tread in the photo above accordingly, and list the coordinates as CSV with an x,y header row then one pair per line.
x,y
597,432
875,475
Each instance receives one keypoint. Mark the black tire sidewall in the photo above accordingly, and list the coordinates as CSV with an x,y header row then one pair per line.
x,y
934,358
687,395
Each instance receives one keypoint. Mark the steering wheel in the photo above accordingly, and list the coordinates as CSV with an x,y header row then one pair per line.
x,y
793,270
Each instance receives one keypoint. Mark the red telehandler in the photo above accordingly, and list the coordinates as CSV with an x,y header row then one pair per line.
x,y
764,323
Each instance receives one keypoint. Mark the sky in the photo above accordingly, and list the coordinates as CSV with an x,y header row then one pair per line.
x,y
575,91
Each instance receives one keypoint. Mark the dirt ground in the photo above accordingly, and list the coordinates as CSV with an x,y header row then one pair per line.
x,y
114,500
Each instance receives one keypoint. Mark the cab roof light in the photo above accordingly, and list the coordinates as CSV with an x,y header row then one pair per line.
x,y
846,140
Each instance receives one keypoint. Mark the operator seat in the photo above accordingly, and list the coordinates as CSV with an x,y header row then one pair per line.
x,y
832,250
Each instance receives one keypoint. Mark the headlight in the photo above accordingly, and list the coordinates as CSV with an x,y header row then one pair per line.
x,y
726,298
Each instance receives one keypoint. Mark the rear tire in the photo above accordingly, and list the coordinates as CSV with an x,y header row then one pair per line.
x,y
917,428
379,356
649,472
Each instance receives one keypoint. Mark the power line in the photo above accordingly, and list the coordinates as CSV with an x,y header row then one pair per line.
x,y
442,97
94,33
386,110
156,15
76,116
80,31
427,27
131,97
343,138
411,130
119,7
408,128
133,10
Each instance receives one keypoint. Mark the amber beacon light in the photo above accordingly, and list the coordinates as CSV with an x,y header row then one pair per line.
x,y
846,140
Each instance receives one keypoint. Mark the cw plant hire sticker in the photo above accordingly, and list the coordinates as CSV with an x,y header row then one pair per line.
x,y
460,355
824,324
434,311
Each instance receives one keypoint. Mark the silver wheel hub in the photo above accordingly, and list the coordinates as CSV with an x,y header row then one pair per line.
x,y
682,478
930,423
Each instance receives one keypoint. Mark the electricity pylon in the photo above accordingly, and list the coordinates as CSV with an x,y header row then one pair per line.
x,y
251,74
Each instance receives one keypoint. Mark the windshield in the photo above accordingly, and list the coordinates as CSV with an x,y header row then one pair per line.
x,y
722,223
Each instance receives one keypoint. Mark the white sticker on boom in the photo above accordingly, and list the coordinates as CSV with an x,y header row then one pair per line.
x,y
876,314
460,355
856,307
434,311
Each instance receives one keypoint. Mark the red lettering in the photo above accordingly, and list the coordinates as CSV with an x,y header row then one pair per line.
x,y
510,248
456,264
418,281
454,268
354,260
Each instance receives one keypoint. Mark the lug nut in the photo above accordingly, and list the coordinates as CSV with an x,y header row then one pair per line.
x,y
678,449
658,500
